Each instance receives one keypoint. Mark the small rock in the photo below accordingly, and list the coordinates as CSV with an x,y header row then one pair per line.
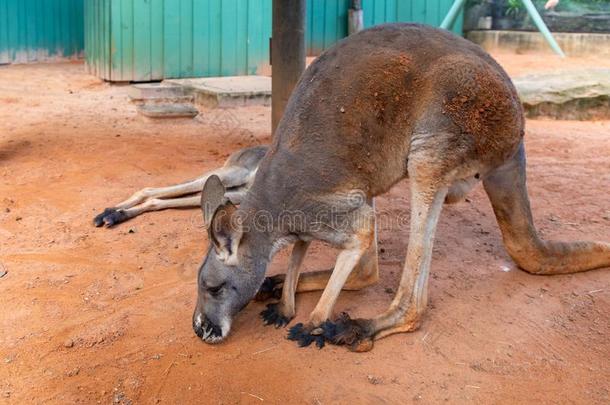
x,y
6,394
342,110
388,290
374,380
3,273
18,219
69,343
74,372
131,230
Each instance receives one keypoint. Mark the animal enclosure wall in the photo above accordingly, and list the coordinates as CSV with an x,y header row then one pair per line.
x,y
327,19
40,30
145,40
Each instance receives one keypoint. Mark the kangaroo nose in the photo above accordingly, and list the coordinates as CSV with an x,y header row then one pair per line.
x,y
207,330
198,325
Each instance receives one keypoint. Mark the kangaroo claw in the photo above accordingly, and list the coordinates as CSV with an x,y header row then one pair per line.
x,y
110,217
303,337
99,218
273,316
357,334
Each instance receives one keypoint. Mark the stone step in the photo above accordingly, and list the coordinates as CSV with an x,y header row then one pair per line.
x,y
230,91
159,92
568,95
573,44
167,110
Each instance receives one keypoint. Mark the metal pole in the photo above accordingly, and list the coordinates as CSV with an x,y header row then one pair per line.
x,y
457,6
531,9
287,53
455,9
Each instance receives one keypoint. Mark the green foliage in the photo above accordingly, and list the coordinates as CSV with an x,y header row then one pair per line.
x,y
514,8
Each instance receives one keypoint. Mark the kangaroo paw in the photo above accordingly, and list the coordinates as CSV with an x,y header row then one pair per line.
x,y
357,334
273,316
271,288
110,217
115,218
99,218
304,336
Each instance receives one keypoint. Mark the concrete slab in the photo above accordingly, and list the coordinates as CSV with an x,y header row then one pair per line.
x,y
230,91
581,94
160,110
157,92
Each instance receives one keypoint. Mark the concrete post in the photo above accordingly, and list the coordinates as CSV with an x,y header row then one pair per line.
x,y
355,17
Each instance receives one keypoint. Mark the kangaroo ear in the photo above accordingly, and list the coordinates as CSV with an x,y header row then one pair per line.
x,y
225,232
212,197
219,218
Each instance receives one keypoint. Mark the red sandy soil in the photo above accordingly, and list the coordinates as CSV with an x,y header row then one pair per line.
x,y
104,315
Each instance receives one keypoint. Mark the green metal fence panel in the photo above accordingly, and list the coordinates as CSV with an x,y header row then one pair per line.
x,y
147,40
41,30
327,19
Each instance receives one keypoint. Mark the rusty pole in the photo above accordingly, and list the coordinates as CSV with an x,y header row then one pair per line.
x,y
287,53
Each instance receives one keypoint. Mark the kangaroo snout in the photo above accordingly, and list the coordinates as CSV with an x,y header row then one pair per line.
x,y
209,331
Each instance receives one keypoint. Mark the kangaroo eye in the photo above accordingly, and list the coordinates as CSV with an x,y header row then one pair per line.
x,y
216,290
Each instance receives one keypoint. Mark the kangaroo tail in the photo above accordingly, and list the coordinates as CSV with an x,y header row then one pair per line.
x,y
507,191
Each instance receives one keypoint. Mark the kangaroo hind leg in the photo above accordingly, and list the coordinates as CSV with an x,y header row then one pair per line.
x,y
231,177
506,188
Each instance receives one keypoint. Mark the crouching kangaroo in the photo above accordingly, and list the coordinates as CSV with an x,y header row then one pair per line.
x,y
390,102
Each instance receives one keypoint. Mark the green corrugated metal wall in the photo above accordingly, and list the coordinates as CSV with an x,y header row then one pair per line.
x,y
145,40
40,30
327,19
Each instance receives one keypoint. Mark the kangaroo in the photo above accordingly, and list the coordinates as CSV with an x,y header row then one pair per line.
x,y
391,102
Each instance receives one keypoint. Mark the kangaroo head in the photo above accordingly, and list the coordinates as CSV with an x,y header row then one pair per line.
x,y
230,275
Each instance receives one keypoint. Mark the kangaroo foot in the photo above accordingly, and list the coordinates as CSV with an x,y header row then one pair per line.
x,y
273,315
305,335
99,218
110,217
357,334
271,288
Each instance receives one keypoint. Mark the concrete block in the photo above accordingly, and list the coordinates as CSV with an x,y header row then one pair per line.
x,y
230,91
158,92
163,110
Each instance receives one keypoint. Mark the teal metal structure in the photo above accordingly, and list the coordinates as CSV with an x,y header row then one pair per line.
x,y
146,40
458,5
41,30
327,19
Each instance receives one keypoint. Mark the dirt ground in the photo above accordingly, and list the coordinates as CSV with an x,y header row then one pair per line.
x,y
104,315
